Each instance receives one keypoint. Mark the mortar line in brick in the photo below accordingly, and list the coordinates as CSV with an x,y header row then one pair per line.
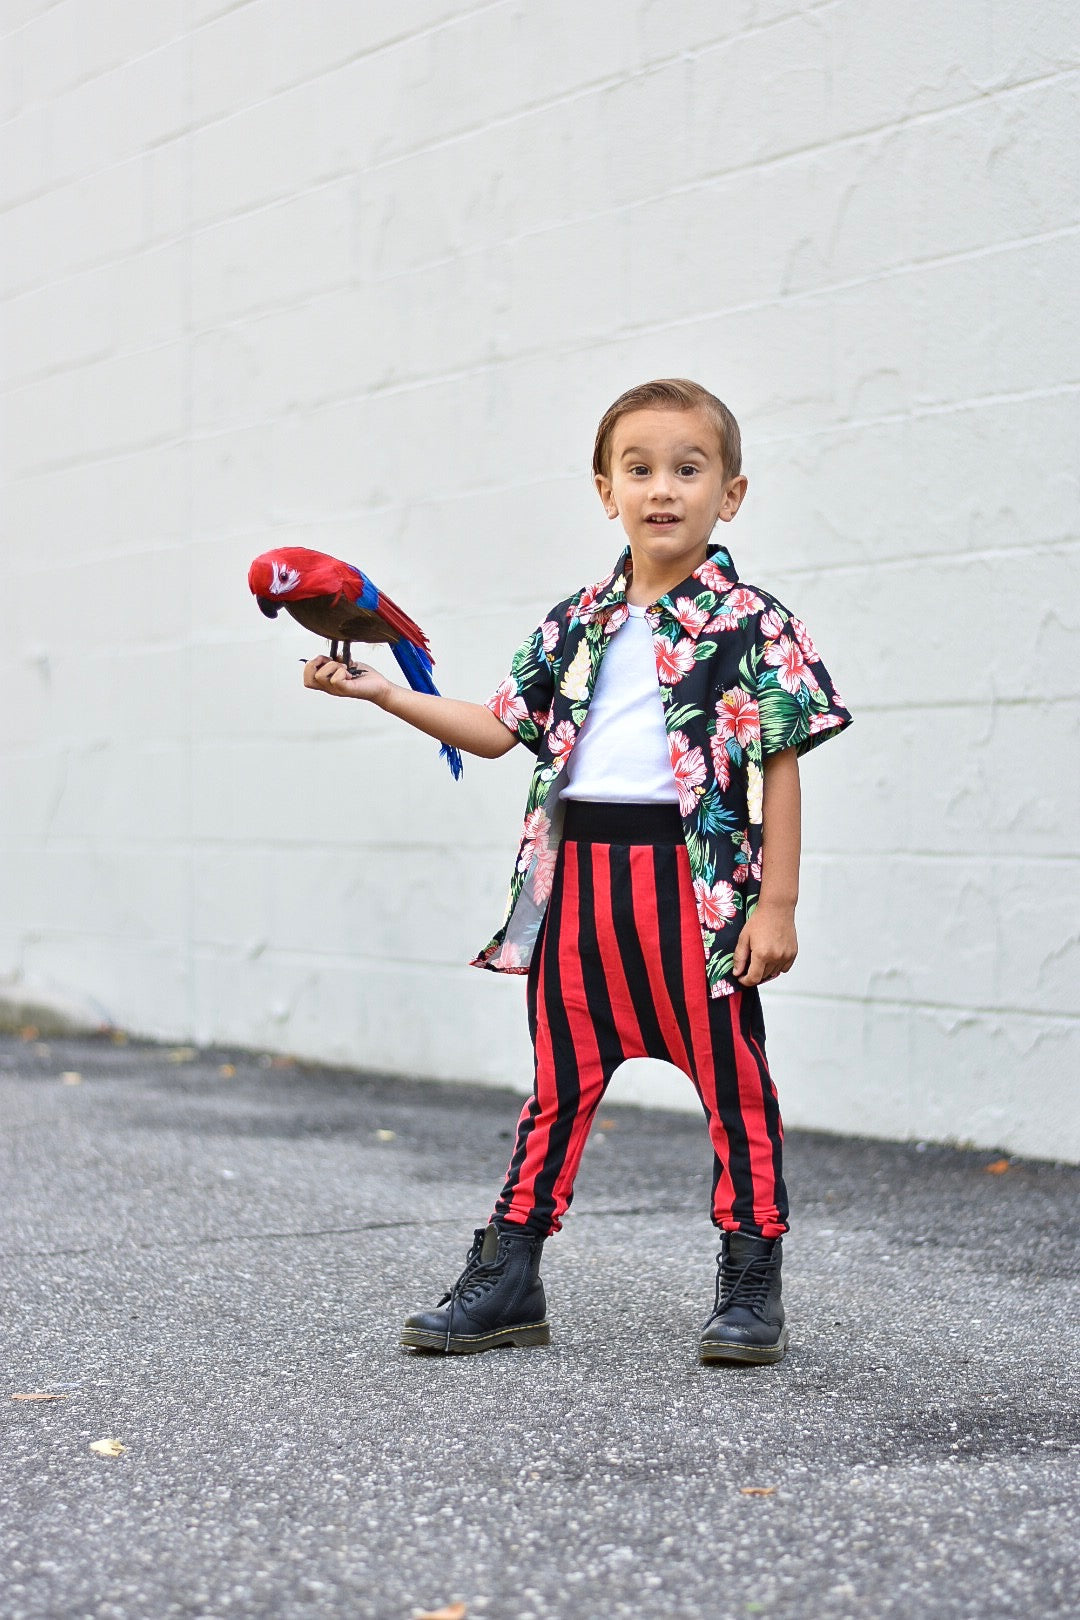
x,y
348,175
1067,1020
602,86
346,62
755,166
257,312
829,290
1022,396
643,69
823,856
909,559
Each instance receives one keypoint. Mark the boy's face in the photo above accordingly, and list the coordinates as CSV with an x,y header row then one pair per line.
x,y
666,483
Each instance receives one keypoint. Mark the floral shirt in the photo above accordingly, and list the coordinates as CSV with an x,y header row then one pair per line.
x,y
739,677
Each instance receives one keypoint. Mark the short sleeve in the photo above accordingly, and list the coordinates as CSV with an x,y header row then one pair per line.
x,y
798,704
523,700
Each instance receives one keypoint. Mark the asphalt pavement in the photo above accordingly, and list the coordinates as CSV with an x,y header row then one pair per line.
x,y
207,1257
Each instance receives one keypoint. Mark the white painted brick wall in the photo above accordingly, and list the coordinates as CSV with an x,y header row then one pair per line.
x,y
363,278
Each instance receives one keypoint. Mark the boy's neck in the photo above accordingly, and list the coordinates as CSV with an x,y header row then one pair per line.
x,y
650,580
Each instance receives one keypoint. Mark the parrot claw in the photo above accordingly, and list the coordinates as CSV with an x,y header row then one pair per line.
x,y
355,671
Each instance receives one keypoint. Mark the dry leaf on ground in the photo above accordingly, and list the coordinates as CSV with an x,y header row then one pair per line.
x,y
71,1077
118,1037
227,1071
608,1124
29,1032
39,1395
107,1448
756,1490
385,1136
181,1054
451,1611
998,1167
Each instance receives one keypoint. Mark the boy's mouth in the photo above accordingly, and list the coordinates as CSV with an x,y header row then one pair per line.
x,y
662,519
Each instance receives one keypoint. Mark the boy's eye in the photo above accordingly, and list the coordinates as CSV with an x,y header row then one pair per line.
x,y
688,468
636,472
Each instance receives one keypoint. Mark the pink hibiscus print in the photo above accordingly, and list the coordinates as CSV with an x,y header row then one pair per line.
x,y
550,632
721,762
616,619
715,904
690,616
673,661
792,670
586,607
772,623
741,603
712,577
544,874
737,717
689,767
805,640
823,722
721,988
561,740
507,705
534,838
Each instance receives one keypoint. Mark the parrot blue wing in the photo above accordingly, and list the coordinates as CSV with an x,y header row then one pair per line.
x,y
369,596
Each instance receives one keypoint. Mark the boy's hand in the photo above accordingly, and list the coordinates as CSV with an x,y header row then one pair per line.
x,y
324,674
767,946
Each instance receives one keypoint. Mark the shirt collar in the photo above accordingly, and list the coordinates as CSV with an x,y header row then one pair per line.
x,y
716,573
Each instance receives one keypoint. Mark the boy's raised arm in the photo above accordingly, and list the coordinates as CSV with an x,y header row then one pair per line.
x,y
469,726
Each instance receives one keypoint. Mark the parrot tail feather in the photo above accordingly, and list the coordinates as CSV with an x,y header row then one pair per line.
x,y
452,757
415,665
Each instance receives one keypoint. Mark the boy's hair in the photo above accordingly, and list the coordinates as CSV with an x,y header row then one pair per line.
x,y
672,394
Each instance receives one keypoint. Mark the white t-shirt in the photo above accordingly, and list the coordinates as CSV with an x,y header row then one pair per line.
x,y
621,753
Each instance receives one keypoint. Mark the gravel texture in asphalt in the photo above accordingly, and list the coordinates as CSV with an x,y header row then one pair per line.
x,y
208,1257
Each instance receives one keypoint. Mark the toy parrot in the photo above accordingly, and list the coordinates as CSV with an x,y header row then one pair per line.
x,y
336,600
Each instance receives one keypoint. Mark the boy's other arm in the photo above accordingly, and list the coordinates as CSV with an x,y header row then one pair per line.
x,y
768,944
469,726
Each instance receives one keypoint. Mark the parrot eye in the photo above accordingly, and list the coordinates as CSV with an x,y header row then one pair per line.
x,y
285,579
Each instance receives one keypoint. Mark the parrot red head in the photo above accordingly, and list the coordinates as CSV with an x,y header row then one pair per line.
x,y
293,573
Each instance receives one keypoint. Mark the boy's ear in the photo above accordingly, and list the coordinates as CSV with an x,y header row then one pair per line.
x,y
734,493
606,494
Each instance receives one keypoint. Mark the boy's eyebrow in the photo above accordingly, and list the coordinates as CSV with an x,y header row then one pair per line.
x,y
682,450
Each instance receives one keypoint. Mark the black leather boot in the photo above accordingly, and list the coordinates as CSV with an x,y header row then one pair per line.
x,y
747,1323
497,1300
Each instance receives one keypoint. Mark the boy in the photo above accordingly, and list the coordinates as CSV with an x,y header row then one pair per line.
x,y
657,876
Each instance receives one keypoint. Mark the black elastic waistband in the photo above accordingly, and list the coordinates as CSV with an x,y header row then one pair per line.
x,y
588,821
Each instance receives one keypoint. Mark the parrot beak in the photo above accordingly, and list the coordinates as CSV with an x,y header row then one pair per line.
x,y
271,609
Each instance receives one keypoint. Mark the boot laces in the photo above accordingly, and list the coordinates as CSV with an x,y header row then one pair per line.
x,y
747,1284
476,1279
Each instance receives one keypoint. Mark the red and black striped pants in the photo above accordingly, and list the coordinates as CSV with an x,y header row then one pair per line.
x,y
619,972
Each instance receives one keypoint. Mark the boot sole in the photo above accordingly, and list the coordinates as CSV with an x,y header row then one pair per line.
x,y
755,1354
531,1333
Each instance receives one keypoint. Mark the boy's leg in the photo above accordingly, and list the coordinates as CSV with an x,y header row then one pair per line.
x,y
499,1297
575,1013
725,1041
745,1128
